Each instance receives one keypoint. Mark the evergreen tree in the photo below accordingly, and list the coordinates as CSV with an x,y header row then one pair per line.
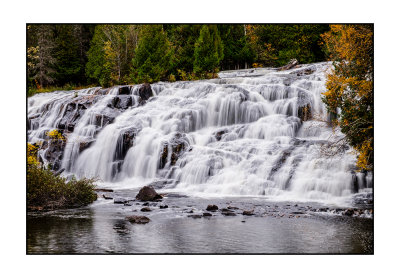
x,y
183,39
69,66
42,40
237,50
152,60
95,69
209,50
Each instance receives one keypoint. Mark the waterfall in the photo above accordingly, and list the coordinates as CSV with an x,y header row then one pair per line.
x,y
257,132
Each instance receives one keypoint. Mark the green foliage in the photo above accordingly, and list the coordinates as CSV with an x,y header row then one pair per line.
x,y
209,50
238,52
68,67
47,191
108,55
152,60
95,69
183,39
277,44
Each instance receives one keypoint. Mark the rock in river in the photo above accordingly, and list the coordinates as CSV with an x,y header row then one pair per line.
x,y
138,219
147,193
212,207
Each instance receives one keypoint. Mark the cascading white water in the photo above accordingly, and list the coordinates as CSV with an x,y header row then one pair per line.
x,y
240,135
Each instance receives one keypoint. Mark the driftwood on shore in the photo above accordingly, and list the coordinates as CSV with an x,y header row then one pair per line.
x,y
290,65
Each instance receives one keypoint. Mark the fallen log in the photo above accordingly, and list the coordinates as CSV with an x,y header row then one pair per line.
x,y
290,65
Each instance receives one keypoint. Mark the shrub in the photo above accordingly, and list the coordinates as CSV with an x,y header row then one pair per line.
x,y
55,134
48,191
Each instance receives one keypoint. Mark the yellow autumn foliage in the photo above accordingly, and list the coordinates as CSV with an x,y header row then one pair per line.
x,y
55,134
32,155
349,94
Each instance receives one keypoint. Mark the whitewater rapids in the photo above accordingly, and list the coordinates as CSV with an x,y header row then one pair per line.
x,y
241,135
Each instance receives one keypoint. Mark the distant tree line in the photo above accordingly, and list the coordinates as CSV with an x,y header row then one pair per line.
x,y
106,55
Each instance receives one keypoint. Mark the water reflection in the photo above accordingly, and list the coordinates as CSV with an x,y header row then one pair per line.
x,y
101,230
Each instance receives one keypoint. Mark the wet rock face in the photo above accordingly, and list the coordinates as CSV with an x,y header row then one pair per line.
x,y
124,90
75,110
145,92
121,102
148,193
125,142
173,149
54,153
105,118
85,144
304,113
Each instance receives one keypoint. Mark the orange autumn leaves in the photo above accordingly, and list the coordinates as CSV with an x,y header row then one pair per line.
x,y
349,94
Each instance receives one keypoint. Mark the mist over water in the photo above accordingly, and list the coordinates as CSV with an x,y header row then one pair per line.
x,y
238,135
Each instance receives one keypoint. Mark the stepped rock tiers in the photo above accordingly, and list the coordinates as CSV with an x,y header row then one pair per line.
x,y
248,132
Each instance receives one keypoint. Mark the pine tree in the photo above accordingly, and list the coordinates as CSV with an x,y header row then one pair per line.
x,y
209,50
152,60
68,66
183,39
95,69
44,66
237,50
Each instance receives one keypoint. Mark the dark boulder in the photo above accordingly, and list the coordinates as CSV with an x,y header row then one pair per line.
x,y
218,134
231,207
124,90
163,206
148,193
228,213
349,212
145,209
120,200
138,219
195,216
248,212
145,92
212,207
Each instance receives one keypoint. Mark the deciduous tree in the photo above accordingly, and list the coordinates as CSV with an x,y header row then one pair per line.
x,y
349,93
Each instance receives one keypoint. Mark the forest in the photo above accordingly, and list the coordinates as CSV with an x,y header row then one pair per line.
x,y
81,55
